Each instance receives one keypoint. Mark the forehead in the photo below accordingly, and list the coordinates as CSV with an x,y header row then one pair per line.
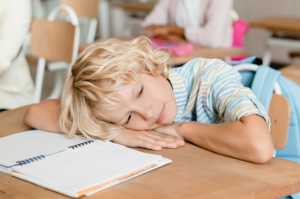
x,y
127,90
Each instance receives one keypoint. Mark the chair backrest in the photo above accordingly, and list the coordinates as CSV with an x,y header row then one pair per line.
x,y
240,29
83,8
53,40
87,9
279,113
277,106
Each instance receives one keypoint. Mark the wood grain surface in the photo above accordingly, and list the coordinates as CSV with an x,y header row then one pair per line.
x,y
219,53
52,40
289,24
83,8
279,113
136,6
194,173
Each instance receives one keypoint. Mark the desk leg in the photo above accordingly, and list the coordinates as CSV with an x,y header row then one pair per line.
x,y
104,19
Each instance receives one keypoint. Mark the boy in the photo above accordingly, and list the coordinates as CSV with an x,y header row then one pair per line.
x,y
125,92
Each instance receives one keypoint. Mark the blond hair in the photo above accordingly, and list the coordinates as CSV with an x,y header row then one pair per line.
x,y
97,73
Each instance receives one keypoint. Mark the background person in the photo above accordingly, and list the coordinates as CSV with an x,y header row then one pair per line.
x,y
201,22
16,85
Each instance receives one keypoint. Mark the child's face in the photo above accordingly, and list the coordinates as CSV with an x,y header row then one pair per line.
x,y
150,104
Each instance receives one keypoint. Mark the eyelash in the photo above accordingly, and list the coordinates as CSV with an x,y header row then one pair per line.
x,y
130,114
142,89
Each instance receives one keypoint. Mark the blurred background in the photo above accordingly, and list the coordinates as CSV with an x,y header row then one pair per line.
x,y
116,18
247,10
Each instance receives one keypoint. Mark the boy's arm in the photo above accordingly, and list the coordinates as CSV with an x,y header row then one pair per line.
x,y
45,116
221,97
248,139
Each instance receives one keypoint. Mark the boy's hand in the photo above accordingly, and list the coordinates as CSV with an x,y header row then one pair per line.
x,y
172,130
147,139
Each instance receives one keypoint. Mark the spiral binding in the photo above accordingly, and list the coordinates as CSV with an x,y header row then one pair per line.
x,y
29,160
81,144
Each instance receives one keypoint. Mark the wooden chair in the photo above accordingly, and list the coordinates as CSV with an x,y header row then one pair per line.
x,y
279,112
55,41
85,10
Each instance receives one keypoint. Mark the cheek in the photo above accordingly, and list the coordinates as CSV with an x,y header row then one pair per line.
x,y
139,125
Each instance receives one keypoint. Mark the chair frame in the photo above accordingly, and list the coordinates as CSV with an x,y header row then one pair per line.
x,y
90,13
58,67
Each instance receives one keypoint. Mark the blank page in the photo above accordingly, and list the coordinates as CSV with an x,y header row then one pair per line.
x,y
88,166
34,143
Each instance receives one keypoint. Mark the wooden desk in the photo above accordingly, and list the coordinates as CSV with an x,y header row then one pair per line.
x,y
283,31
220,53
194,173
288,24
136,6
291,72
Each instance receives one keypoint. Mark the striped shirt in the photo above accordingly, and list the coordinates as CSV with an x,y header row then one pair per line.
x,y
210,91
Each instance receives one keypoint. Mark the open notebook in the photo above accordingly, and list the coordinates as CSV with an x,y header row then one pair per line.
x,y
73,167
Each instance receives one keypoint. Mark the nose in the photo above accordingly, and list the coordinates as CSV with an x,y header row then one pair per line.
x,y
148,111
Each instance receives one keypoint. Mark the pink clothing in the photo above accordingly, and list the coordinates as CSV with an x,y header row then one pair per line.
x,y
215,28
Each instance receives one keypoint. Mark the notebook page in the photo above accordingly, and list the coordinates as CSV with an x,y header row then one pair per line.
x,y
34,143
91,165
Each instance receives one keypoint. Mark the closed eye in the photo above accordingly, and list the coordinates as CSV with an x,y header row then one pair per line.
x,y
129,117
141,91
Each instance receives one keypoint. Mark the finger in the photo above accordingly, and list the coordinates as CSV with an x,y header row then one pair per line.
x,y
161,136
159,142
148,145
168,138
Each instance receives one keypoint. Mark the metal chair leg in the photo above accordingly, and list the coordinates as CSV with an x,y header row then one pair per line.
x,y
39,79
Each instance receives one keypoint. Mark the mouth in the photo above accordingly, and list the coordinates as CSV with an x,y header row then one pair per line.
x,y
161,115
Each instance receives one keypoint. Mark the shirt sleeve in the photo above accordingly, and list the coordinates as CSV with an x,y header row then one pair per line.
x,y
159,14
15,18
217,29
227,97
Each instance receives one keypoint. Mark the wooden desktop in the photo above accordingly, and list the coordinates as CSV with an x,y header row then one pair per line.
x,y
194,173
283,31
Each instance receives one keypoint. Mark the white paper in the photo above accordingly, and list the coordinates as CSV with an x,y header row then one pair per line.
x,y
34,143
88,166
160,163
